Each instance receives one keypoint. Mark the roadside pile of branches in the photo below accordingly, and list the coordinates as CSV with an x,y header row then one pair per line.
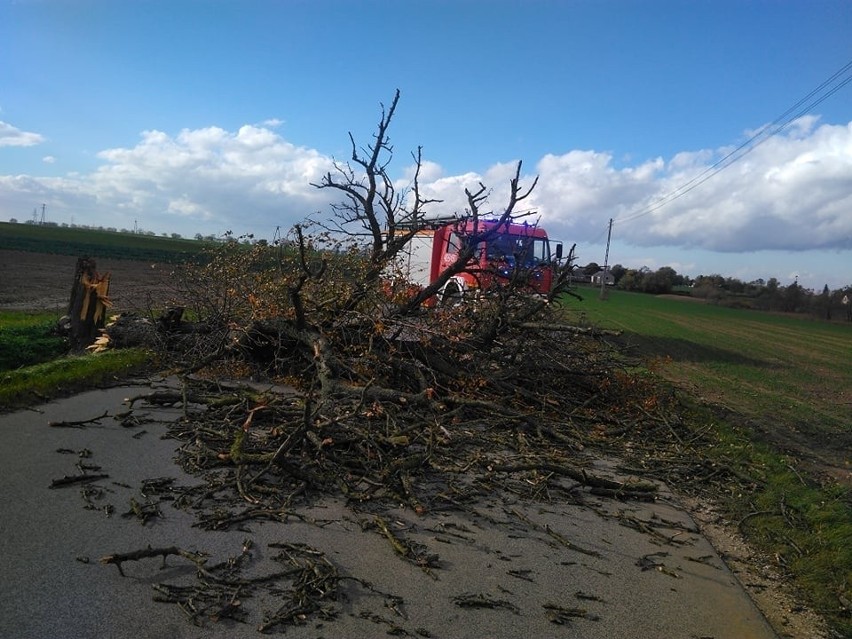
x,y
408,395
429,424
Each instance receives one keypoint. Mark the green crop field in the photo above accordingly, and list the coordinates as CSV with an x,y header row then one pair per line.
x,y
772,368
104,244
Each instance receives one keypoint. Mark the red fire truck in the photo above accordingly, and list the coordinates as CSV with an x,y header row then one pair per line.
x,y
502,252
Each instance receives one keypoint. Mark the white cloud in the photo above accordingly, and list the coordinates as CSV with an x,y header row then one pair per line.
x,y
448,190
185,207
793,192
204,180
48,159
11,136
429,172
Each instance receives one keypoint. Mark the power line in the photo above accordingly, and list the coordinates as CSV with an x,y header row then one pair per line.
x,y
779,124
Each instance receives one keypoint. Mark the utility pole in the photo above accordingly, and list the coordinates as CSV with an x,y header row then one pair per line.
x,y
606,262
43,206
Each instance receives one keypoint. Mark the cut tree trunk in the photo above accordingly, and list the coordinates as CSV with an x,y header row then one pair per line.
x,y
89,303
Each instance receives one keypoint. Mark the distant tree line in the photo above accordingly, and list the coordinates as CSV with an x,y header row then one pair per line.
x,y
227,237
108,229
759,294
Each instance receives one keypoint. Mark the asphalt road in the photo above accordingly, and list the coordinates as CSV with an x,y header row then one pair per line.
x,y
502,566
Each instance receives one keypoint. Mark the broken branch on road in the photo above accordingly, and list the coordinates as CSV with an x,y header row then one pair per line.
x,y
79,423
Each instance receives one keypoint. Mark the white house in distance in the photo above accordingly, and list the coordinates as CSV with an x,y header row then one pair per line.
x,y
604,276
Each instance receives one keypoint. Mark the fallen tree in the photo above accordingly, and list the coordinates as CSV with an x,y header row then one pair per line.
x,y
389,389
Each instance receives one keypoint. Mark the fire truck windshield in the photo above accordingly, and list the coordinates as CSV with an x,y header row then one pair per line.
x,y
527,251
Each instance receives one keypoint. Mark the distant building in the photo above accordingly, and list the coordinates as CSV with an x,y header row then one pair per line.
x,y
604,276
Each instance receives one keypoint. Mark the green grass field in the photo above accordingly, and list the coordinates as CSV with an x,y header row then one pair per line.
x,y
105,244
772,368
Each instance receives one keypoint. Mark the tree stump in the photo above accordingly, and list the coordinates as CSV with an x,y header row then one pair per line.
x,y
89,303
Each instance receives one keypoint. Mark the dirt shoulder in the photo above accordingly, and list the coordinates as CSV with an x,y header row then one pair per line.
x,y
772,593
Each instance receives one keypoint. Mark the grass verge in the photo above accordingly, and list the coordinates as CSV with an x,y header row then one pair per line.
x,y
31,384
802,525
35,365
28,338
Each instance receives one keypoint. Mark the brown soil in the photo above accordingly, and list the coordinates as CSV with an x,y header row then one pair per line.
x,y
39,281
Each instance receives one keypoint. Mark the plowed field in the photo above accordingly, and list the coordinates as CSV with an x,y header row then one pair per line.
x,y
41,281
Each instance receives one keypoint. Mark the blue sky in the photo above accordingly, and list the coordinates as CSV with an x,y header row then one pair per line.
x,y
214,115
